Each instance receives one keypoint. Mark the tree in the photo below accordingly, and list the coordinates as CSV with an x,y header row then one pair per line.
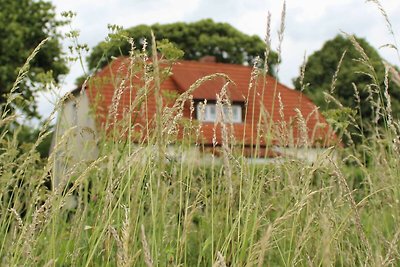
x,y
23,25
360,66
198,39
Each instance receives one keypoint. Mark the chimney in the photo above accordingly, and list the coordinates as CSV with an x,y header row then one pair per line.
x,y
208,59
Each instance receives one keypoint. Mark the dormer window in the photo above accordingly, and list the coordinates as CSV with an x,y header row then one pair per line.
x,y
208,112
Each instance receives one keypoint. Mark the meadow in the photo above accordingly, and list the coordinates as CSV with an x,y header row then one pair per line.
x,y
136,207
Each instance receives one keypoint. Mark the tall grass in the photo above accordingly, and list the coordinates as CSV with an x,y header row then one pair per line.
x,y
137,205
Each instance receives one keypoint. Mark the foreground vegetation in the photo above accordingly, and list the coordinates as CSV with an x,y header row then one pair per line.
x,y
134,206
140,211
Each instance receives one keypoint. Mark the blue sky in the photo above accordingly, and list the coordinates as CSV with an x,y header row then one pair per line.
x,y
309,23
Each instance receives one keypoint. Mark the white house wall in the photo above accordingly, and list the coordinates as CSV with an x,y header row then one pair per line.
x,y
307,154
74,141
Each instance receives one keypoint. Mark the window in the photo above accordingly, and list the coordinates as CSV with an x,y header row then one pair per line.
x,y
209,113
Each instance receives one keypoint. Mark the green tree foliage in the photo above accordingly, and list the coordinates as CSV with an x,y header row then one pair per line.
x,y
362,67
197,39
27,136
23,25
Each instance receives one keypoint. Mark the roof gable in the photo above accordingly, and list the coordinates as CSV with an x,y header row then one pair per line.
x,y
185,73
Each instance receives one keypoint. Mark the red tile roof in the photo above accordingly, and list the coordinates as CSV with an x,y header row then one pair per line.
x,y
113,82
185,73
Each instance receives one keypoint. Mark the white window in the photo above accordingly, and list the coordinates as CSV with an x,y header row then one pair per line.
x,y
208,112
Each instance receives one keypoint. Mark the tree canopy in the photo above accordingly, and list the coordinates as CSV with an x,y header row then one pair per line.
x,y
361,65
23,25
196,40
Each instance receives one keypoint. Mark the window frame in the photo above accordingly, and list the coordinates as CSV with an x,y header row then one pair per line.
x,y
239,106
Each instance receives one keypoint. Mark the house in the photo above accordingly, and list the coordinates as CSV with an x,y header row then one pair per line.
x,y
265,118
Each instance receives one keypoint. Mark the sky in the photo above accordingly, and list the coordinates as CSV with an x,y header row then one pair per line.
x,y
308,25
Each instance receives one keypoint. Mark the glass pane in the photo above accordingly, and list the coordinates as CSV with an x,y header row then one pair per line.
x,y
200,111
212,112
211,108
235,112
